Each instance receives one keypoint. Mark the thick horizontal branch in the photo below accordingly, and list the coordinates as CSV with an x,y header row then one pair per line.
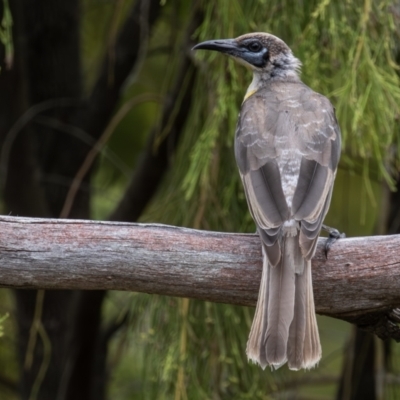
x,y
361,276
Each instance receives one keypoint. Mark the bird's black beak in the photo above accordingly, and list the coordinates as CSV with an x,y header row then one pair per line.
x,y
227,46
231,47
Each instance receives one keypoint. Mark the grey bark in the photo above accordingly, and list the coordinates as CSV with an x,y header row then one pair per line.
x,y
359,279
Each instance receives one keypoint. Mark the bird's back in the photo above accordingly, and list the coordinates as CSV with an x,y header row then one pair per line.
x,y
284,122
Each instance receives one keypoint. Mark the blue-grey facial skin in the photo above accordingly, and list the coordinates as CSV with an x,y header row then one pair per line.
x,y
259,59
251,51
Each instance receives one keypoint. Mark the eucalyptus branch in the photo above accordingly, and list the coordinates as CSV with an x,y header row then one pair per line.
x,y
358,282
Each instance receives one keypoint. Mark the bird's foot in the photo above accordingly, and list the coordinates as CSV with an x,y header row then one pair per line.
x,y
334,235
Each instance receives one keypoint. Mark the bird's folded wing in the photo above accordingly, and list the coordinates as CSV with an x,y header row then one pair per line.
x,y
318,136
270,122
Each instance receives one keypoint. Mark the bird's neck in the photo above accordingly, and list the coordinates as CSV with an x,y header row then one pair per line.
x,y
286,70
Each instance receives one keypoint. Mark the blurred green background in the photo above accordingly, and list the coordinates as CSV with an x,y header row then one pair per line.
x,y
121,74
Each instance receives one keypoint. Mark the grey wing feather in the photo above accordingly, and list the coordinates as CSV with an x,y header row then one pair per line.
x,y
268,206
314,181
310,230
254,142
256,158
272,246
269,196
320,143
270,122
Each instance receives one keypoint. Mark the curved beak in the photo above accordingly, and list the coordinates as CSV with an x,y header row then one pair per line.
x,y
227,46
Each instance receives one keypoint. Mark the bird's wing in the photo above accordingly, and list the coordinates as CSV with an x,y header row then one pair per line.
x,y
256,155
318,138
269,123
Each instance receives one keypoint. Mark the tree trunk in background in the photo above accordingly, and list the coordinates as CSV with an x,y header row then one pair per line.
x,y
358,373
48,62
67,358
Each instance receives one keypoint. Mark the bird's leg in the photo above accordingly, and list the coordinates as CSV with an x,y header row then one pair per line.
x,y
334,235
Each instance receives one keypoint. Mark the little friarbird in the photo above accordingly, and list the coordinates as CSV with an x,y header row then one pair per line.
x,y
287,148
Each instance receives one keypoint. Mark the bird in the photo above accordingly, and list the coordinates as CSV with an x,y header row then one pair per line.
x,y
287,149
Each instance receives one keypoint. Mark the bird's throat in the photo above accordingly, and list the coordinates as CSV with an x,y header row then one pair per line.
x,y
256,84
248,94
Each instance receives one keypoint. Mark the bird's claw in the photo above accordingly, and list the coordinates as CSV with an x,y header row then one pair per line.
x,y
334,235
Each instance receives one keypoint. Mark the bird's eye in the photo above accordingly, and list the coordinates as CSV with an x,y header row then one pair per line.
x,y
254,47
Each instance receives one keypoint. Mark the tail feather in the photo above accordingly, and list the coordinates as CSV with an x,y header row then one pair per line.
x,y
284,327
281,305
312,347
255,350
297,332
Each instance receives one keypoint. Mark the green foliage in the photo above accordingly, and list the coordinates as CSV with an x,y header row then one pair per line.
x,y
180,348
6,34
348,51
2,319
185,349
8,334
348,54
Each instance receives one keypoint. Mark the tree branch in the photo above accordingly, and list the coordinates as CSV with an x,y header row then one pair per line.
x,y
358,283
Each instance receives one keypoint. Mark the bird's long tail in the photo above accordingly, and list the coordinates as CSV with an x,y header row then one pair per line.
x,y
284,327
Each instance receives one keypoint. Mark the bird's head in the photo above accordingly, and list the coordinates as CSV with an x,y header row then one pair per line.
x,y
262,52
